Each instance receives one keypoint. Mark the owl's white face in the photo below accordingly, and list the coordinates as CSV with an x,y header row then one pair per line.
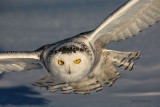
x,y
70,67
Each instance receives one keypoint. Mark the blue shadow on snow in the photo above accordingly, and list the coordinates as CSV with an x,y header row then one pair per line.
x,y
20,95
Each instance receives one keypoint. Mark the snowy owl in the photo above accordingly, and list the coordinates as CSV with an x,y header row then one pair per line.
x,y
81,64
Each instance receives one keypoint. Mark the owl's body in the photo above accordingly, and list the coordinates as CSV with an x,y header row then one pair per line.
x,y
81,64
98,68
68,50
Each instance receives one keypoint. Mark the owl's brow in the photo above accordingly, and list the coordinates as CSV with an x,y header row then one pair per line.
x,y
69,49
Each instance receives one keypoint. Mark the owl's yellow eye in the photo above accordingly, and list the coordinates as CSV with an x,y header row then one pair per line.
x,y
60,62
77,61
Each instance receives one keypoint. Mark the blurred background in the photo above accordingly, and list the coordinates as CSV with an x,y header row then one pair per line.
x,y
25,25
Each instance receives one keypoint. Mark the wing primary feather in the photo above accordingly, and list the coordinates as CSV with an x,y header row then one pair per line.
x,y
135,15
111,18
14,54
19,61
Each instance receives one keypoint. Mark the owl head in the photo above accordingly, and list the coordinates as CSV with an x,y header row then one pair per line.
x,y
71,63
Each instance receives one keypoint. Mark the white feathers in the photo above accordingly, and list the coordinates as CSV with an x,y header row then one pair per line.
x,y
18,61
127,21
70,71
7,55
123,60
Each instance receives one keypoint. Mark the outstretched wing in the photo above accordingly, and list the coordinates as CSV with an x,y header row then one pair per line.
x,y
19,61
127,21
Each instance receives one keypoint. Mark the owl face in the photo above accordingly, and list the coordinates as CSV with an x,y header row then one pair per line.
x,y
70,67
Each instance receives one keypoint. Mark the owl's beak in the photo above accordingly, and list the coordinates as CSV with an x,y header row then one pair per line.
x,y
69,71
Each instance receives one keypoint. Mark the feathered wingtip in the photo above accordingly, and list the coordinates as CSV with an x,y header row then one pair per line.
x,y
124,60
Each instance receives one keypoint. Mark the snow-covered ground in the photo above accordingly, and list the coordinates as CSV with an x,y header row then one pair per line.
x,y
29,24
